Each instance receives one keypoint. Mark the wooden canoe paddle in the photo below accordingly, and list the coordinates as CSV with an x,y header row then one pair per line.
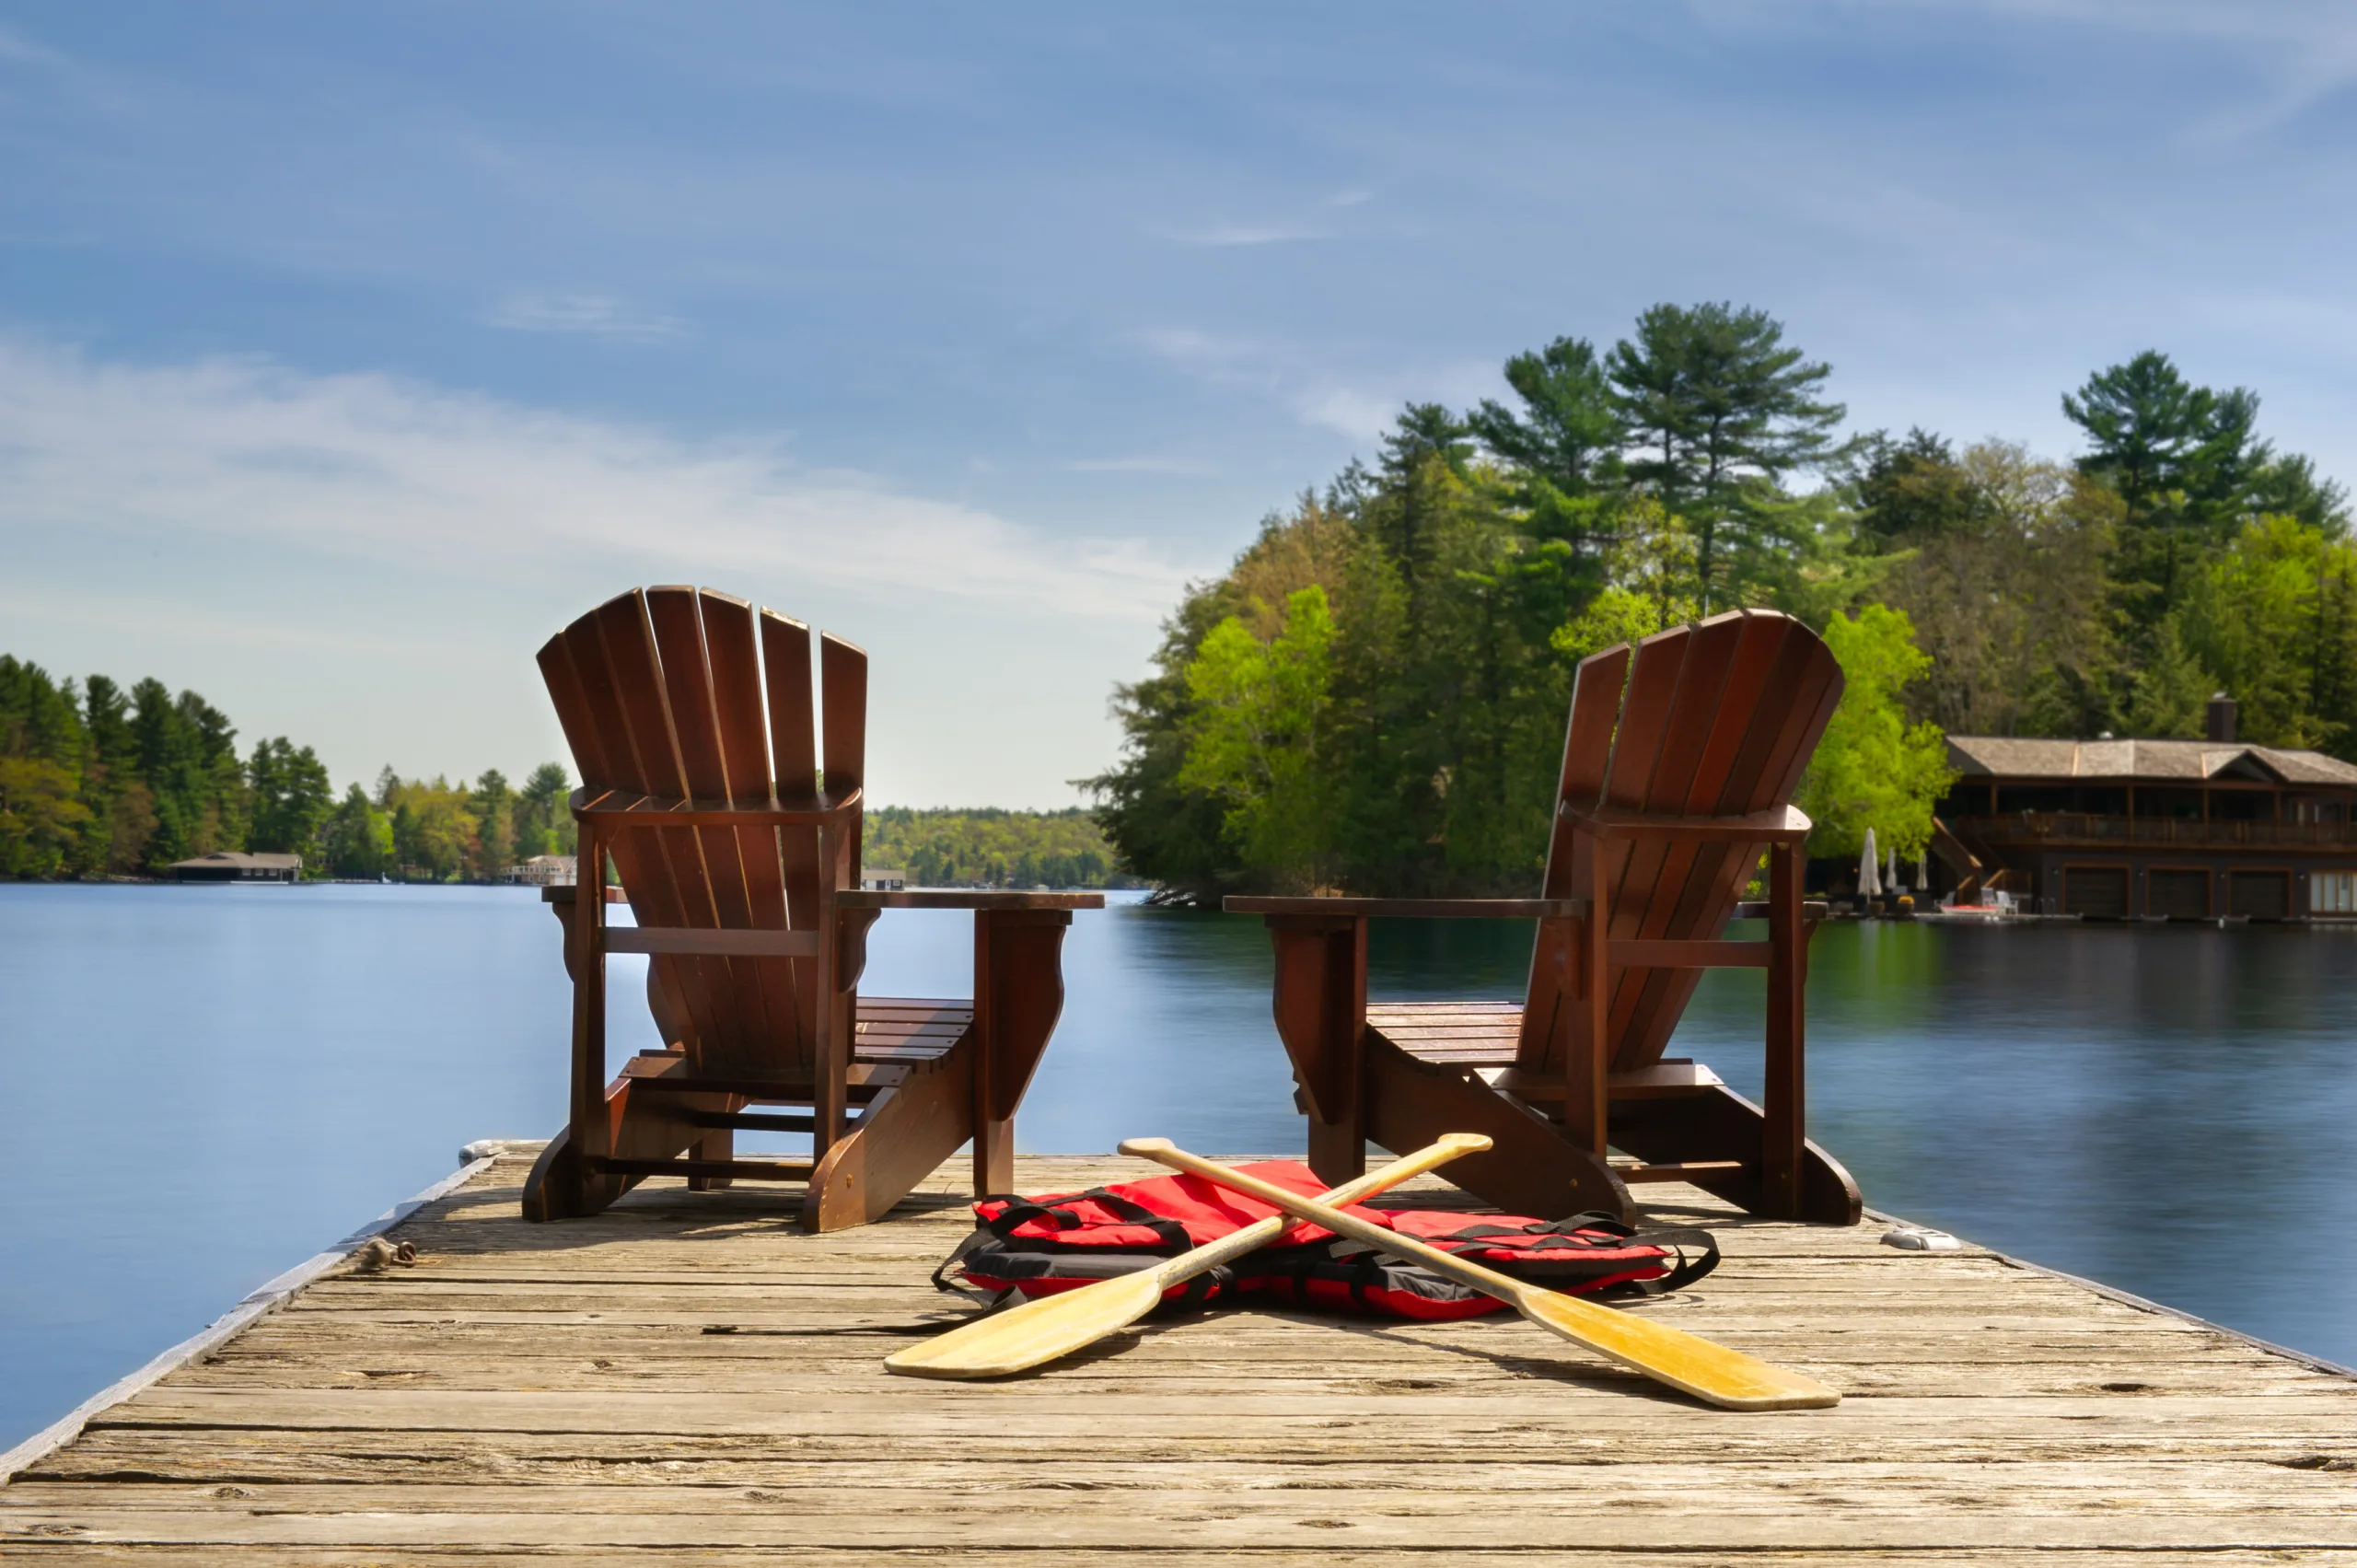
x,y
1683,1361
1041,1331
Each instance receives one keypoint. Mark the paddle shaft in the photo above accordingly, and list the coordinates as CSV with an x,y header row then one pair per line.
x,y
1684,1361
1487,1281
1259,1233
1047,1327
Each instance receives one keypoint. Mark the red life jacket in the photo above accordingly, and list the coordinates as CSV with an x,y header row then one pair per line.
x,y
1039,1246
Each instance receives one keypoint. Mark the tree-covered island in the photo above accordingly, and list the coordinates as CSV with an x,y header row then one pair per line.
x,y
1372,698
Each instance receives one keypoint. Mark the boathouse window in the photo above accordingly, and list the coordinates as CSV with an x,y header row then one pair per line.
x,y
2332,892
2171,805
2241,806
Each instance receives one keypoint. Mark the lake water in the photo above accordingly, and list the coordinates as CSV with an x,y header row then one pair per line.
x,y
206,1084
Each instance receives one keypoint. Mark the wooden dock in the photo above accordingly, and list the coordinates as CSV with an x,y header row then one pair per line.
x,y
690,1378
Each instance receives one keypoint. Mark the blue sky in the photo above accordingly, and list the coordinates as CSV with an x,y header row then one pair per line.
x,y
347,352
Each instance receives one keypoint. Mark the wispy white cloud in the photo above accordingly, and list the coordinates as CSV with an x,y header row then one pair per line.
x,y
1360,414
1224,235
372,467
190,622
2300,52
1134,465
591,315
1311,387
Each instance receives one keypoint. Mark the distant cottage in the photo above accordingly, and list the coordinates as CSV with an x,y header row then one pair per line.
x,y
236,866
2185,829
875,881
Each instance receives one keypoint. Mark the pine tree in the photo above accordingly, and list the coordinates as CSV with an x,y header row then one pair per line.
x,y
1715,411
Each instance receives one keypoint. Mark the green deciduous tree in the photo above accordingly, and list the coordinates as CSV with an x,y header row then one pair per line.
x,y
434,833
1873,768
2008,593
2273,618
1260,711
41,822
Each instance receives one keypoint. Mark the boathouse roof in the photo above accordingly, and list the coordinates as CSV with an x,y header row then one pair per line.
x,y
236,860
2189,762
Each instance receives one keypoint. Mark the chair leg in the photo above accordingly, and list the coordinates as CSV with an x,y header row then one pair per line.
x,y
553,1190
717,1143
905,1133
1321,1017
1719,1124
1019,995
1533,1166
559,1188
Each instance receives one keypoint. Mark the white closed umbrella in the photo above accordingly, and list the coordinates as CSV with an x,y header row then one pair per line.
x,y
1890,870
1923,873
1869,870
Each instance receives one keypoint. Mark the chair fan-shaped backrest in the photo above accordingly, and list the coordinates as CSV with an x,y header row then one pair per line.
x,y
1716,719
682,693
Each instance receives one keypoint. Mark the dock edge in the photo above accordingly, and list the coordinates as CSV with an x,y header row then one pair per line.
x,y
260,1302
2308,1359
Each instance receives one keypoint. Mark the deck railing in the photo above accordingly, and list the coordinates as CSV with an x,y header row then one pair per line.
x,y
2088,827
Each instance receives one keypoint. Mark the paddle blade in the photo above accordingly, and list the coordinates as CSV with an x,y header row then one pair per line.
x,y
1023,1337
1708,1371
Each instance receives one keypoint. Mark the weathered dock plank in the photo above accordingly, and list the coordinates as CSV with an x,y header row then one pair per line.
x,y
689,1374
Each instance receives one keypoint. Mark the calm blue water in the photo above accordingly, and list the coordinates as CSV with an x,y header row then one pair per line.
x,y
205,1086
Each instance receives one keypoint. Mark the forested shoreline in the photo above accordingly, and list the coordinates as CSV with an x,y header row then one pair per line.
x,y
1372,698
98,781
990,847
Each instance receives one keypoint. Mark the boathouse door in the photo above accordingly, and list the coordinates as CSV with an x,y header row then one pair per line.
x,y
2178,893
2097,890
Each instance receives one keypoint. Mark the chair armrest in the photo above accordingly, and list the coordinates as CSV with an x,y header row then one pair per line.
x,y
1778,824
1756,908
570,893
1411,909
952,899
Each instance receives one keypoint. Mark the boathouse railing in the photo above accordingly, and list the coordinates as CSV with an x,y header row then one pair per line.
x,y
2087,826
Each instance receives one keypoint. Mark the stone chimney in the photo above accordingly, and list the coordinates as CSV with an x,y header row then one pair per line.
x,y
2221,729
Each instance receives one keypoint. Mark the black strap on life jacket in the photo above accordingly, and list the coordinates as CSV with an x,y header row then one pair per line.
x,y
991,1300
1697,1250
1020,1211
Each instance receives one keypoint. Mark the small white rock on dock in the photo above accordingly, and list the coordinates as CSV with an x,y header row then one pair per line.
x,y
688,1377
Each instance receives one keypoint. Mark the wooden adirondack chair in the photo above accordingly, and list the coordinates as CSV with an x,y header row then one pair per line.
x,y
737,839
1668,798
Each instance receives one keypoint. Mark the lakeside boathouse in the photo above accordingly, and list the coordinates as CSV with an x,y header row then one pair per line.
x,y
236,866
2185,830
